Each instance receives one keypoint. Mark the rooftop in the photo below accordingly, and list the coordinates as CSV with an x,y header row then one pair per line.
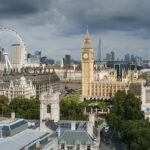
x,y
4,120
71,137
21,139
9,121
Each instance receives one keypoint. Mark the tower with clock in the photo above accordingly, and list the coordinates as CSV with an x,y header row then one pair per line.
x,y
87,59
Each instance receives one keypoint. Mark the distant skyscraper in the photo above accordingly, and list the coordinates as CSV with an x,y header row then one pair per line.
x,y
17,56
108,57
37,54
99,55
132,58
67,61
113,55
127,58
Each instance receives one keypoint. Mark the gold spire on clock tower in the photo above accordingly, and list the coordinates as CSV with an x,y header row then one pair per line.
x,y
87,59
87,40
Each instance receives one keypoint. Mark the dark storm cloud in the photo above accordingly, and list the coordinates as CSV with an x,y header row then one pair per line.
x,y
59,24
99,15
104,14
18,8
72,16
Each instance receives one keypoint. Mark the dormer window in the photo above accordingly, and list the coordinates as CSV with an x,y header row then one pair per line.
x,y
88,147
62,146
77,146
69,147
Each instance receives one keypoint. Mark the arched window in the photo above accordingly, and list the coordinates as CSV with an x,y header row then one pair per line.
x,y
48,108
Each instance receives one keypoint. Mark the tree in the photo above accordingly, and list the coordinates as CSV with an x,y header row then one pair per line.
x,y
4,106
102,105
132,108
126,107
136,134
127,118
25,108
71,108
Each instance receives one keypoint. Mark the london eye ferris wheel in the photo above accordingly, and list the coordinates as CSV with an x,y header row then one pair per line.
x,y
16,35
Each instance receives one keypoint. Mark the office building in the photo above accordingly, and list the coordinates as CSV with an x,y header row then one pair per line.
x,y
18,56
127,58
99,52
67,61
37,54
108,57
112,55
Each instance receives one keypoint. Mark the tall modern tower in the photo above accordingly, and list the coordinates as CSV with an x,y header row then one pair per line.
x,y
99,55
17,56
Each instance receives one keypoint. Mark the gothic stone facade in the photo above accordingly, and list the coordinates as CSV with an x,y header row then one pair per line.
x,y
92,88
42,78
20,87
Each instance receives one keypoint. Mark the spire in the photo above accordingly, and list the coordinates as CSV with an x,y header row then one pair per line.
x,y
87,30
87,40
99,55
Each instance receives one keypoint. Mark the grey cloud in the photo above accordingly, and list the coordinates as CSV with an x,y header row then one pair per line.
x,y
70,14
43,22
19,8
105,14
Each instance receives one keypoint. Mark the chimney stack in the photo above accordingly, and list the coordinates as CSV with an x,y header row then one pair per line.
x,y
12,115
73,125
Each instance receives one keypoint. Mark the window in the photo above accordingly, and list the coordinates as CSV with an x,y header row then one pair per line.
x,y
147,109
78,147
147,96
88,147
48,108
69,147
62,146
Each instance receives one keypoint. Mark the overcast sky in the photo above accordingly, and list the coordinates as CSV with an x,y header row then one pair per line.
x,y
57,27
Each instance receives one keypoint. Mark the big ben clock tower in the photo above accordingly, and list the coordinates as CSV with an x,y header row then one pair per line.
x,y
87,59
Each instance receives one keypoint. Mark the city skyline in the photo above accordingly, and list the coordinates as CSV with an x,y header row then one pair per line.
x,y
57,27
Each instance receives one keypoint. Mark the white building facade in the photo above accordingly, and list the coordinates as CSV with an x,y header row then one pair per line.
x,y
18,56
145,98
18,88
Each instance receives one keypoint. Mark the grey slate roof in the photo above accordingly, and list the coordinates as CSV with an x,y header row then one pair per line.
x,y
70,137
51,125
20,140
65,125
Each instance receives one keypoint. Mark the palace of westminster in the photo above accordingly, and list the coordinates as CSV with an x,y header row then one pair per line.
x,y
102,83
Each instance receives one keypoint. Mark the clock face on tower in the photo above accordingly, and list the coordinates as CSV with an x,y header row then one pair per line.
x,y
85,56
